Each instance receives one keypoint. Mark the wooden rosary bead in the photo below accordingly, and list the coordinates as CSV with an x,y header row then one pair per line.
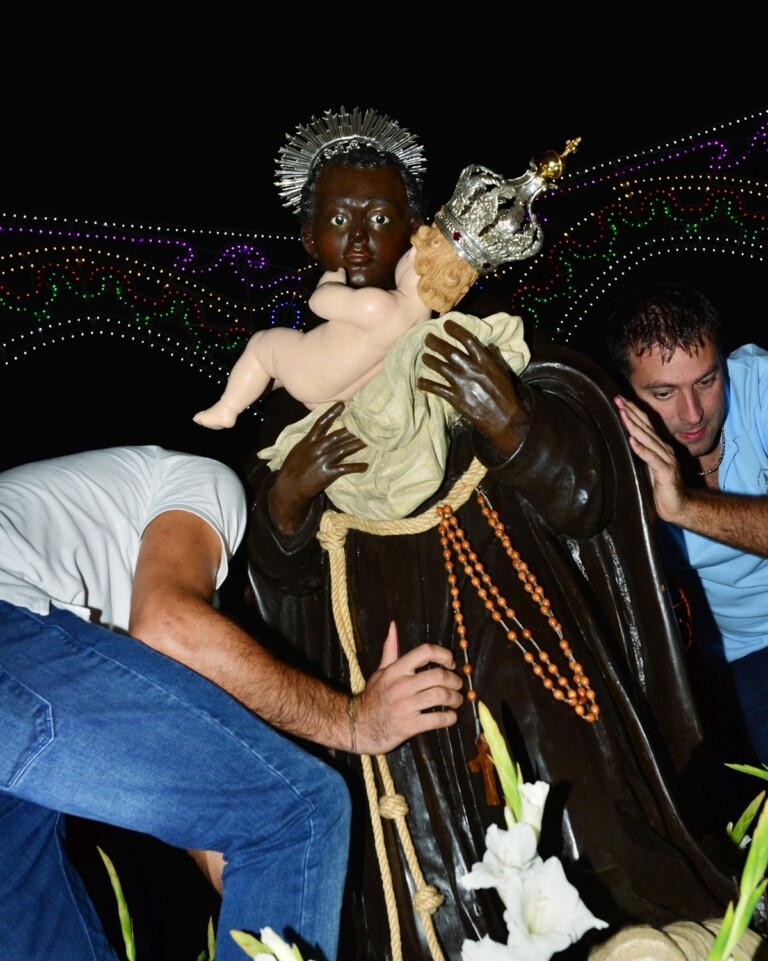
x,y
453,541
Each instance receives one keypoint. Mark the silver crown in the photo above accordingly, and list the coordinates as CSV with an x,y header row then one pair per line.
x,y
489,220
335,133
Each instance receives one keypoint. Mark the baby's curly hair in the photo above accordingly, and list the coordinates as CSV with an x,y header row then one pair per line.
x,y
444,277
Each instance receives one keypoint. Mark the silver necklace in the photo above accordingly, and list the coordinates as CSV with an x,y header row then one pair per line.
x,y
703,473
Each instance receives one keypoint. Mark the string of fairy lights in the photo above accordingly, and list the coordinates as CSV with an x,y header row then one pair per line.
x,y
701,194
199,294
199,297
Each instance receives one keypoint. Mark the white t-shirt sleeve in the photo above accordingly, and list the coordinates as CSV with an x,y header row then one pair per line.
x,y
204,487
70,527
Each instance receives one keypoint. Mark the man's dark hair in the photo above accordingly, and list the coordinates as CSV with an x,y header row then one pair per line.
x,y
363,157
667,315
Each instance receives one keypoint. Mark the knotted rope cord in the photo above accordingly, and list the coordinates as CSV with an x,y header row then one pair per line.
x,y
332,536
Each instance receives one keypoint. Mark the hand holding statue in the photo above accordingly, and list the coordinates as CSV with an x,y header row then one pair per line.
x,y
311,465
663,465
478,385
400,695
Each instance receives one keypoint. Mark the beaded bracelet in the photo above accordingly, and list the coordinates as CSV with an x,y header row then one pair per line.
x,y
352,711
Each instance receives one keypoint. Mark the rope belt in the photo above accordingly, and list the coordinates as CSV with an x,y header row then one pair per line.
x,y
332,536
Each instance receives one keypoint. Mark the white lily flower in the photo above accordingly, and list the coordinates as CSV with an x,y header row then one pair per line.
x,y
278,947
745,842
533,797
271,946
544,913
507,854
486,950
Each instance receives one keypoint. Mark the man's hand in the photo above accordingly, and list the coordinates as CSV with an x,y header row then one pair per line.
x,y
738,520
313,463
391,709
669,491
479,386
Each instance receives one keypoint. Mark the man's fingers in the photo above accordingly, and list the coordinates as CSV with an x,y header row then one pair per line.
x,y
639,427
402,695
426,654
435,720
389,653
440,695
631,413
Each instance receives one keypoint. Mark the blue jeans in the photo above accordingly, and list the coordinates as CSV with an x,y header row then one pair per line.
x,y
98,725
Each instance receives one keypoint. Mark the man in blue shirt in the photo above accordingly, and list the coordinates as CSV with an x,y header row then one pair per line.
x,y
701,425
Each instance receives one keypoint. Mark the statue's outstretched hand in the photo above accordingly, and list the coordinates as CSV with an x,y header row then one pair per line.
x,y
311,465
478,385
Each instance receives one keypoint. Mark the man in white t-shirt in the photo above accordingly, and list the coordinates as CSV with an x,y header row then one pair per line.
x,y
127,698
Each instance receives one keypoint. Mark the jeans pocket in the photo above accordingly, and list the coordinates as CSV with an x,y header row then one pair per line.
x,y
27,722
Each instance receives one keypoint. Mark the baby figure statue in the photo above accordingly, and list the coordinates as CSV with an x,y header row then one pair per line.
x,y
334,359
480,228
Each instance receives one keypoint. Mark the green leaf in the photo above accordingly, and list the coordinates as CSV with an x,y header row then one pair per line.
x,y
210,954
251,945
211,941
751,889
757,855
126,925
503,762
749,769
718,950
738,831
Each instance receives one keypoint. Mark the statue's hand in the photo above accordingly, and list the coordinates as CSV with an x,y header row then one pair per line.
x,y
311,465
478,385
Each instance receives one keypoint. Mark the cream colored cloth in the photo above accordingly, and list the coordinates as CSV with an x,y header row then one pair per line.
x,y
406,430
678,941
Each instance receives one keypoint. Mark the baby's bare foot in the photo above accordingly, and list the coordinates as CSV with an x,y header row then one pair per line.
x,y
217,417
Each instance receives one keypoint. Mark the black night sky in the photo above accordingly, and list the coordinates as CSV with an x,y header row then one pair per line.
x,y
153,134
124,120
130,147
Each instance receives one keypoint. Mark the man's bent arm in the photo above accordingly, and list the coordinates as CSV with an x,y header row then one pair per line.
x,y
171,612
738,520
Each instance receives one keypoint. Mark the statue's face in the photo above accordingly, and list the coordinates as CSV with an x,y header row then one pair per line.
x,y
362,222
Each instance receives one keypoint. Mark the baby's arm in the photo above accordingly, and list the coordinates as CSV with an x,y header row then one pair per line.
x,y
334,299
